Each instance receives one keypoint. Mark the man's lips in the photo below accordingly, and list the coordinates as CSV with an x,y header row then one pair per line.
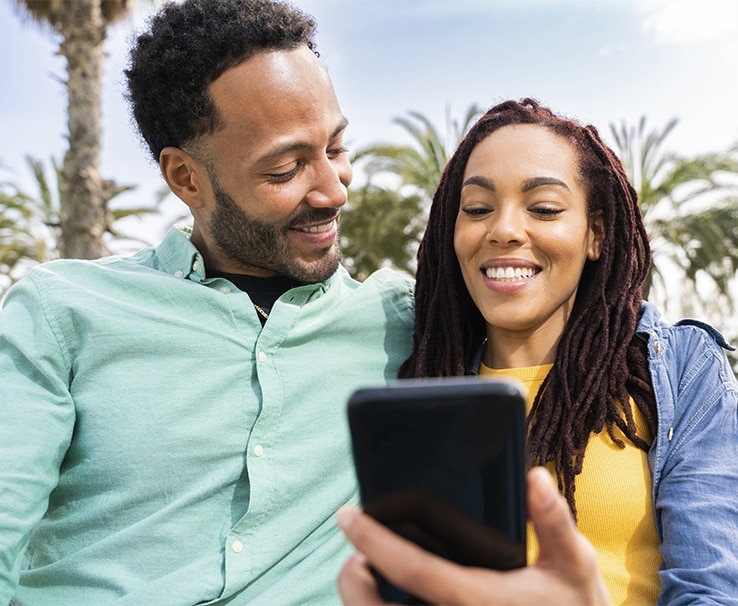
x,y
316,229
316,222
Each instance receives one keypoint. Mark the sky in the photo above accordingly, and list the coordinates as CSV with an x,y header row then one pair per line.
x,y
601,61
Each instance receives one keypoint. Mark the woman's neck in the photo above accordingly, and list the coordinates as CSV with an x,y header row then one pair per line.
x,y
512,349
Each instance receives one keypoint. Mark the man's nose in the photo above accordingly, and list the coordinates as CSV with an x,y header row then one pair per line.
x,y
330,187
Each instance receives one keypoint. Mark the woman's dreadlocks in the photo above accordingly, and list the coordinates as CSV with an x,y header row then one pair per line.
x,y
600,361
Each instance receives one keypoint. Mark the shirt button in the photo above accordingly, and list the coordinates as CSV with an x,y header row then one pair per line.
x,y
258,450
237,546
262,357
195,266
178,274
225,290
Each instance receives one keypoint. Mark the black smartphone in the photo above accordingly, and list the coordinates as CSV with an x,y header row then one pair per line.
x,y
442,462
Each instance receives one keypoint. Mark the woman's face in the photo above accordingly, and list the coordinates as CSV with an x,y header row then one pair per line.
x,y
522,235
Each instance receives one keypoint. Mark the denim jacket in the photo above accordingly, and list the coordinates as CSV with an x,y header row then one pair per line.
x,y
693,460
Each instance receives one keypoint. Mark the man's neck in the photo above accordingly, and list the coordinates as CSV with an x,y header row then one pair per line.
x,y
263,291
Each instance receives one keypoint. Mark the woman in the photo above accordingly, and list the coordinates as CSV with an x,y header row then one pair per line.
x,y
531,267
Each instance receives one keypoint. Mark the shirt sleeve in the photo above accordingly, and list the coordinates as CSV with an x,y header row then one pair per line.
x,y
36,422
696,502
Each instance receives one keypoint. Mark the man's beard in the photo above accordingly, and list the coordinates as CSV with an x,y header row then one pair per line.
x,y
253,243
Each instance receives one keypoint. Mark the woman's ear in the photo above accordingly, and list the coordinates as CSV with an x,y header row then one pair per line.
x,y
597,236
185,175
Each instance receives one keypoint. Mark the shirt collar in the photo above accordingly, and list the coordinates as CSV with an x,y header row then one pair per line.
x,y
178,255
180,258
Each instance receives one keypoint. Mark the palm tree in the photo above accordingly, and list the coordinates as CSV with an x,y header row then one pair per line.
x,y
382,224
690,207
418,166
30,226
82,26
380,227
27,226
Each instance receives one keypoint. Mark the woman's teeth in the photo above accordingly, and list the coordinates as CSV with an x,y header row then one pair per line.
x,y
509,273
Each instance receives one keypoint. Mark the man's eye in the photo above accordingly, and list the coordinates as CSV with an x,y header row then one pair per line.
x,y
286,176
334,153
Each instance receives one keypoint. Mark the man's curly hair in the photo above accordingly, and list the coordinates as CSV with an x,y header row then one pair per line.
x,y
187,46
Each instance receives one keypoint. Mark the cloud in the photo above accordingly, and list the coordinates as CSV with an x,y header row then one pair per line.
x,y
690,21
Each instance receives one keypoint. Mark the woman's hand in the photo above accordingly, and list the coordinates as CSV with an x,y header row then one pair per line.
x,y
565,573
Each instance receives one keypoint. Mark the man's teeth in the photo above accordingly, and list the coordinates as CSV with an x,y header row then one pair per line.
x,y
509,273
315,229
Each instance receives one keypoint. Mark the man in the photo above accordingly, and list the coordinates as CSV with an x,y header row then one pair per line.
x,y
172,424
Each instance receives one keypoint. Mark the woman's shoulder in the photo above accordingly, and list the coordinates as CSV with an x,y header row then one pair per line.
x,y
687,357
682,332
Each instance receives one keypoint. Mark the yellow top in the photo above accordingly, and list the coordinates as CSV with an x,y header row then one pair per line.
x,y
614,505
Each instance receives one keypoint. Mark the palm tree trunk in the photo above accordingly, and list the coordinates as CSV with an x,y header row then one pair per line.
x,y
82,206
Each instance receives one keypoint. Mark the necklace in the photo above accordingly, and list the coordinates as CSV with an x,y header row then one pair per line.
x,y
262,312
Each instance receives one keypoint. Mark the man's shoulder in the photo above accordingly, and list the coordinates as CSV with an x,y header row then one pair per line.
x,y
73,269
385,283
383,278
52,279
175,249
392,278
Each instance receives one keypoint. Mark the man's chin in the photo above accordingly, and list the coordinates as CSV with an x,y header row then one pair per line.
x,y
317,270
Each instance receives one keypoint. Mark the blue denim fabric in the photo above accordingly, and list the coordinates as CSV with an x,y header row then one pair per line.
x,y
693,460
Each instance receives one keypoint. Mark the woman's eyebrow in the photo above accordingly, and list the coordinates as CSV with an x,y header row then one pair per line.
x,y
529,184
480,181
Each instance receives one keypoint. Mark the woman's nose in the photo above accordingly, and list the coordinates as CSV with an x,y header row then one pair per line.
x,y
507,227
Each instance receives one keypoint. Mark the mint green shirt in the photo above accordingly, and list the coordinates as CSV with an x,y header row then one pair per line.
x,y
157,446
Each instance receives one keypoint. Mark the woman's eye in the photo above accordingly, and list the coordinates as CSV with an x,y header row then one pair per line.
x,y
475,211
547,211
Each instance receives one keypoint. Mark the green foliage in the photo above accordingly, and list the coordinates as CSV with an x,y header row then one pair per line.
x,y
30,225
690,208
380,227
689,204
418,165
382,224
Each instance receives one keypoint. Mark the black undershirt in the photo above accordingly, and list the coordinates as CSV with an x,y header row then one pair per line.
x,y
262,291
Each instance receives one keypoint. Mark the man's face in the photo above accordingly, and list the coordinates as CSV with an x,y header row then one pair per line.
x,y
277,168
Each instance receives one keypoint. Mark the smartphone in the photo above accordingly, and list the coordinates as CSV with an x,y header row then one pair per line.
x,y
442,462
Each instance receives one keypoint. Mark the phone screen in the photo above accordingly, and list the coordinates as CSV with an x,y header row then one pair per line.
x,y
442,462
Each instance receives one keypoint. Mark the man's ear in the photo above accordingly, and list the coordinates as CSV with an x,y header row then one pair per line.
x,y
185,175
597,236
